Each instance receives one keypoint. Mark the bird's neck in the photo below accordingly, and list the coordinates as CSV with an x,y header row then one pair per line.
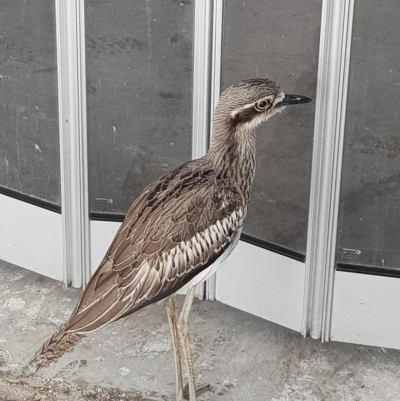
x,y
232,154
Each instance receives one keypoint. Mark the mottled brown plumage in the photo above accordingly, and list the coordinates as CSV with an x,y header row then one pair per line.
x,y
182,226
149,257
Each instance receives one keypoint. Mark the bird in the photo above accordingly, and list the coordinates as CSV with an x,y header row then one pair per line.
x,y
179,230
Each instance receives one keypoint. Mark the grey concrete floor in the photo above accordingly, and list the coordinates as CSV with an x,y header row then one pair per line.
x,y
241,356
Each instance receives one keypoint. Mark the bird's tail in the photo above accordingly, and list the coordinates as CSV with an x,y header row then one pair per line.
x,y
55,347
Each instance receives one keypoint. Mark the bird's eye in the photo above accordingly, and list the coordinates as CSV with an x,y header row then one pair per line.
x,y
261,105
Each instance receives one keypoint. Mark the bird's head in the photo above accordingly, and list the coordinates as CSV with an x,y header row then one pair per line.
x,y
250,102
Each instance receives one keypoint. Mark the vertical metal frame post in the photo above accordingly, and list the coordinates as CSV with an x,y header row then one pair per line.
x,y
333,69
203,18
70,27
206,87
201,77
216,72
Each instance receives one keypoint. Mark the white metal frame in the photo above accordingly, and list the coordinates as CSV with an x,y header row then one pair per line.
x,y
70,28
201,77
216,71
206,87
333,69
201,86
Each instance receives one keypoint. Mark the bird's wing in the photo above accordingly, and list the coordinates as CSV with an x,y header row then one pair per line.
x,y
176,228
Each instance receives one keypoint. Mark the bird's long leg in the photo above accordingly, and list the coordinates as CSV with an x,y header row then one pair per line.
x,y
172,311
183,331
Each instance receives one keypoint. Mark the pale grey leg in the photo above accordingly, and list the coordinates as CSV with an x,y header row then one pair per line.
x,y
183,331
172,311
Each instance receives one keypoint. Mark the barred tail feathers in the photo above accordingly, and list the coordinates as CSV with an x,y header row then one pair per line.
x,y
55,347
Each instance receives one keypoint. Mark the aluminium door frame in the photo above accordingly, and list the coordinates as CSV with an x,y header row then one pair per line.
x,y
330,114
71,73
332,84
206,89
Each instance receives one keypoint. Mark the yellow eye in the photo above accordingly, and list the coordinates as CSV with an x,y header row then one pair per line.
x,y
261,105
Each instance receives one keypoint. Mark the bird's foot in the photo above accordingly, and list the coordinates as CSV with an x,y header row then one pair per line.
x,y
199,391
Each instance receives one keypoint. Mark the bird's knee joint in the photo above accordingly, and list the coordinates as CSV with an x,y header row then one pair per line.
x,y
183,326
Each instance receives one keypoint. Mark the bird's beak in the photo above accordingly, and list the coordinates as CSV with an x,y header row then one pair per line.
x,y
294,99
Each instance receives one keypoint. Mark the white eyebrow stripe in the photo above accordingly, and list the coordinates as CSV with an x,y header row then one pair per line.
x,y
237,111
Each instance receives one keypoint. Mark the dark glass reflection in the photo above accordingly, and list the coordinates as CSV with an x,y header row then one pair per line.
x,y
280,41
29,139
369,220
139,77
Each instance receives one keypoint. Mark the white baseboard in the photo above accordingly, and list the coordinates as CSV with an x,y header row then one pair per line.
x,y
31,237
366,310
264,284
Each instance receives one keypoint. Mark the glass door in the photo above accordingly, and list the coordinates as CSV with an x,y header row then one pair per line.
x,y
30,190
367,280
141,80
265,275
139,61
369,213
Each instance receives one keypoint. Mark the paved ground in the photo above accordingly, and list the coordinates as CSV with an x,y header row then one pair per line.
x,y
242,357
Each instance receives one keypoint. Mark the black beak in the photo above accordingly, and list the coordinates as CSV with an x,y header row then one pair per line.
x,y
295,99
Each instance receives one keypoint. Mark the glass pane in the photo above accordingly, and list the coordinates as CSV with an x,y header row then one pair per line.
x,y
280,41
369,220
29,139
139,71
